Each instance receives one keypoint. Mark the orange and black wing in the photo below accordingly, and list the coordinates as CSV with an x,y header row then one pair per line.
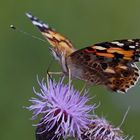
x,y
58,41
109,64
123,78
127,50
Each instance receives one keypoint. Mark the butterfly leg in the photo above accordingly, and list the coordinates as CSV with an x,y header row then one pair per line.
x,y
55,73
50,74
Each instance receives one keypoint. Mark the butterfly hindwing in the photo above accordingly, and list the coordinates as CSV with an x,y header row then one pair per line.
x,y
125,77
89,66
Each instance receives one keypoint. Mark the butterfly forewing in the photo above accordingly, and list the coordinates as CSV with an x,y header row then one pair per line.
x,y
59,42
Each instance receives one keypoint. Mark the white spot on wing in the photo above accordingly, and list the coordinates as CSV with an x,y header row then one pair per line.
x,y
130,40
37,23
109,70
99,47
132,47
29,15
117,43
45,25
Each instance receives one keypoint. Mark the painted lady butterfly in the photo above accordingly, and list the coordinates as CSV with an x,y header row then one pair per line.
x,y
111,64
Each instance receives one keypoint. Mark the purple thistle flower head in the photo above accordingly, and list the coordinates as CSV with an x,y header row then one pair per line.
x,y
100,129
62,109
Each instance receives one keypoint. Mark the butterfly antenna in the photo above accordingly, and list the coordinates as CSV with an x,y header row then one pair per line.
x,y
124,117
26,33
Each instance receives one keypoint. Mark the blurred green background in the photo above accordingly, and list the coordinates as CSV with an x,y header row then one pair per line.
x,y
22,57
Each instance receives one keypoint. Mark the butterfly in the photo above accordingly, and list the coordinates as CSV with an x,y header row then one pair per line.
x,y
111,64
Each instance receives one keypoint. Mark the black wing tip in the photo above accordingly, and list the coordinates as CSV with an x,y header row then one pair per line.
x,y
31,17
40,24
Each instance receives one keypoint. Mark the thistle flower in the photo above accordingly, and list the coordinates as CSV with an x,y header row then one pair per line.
x,y
63,110
100,129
